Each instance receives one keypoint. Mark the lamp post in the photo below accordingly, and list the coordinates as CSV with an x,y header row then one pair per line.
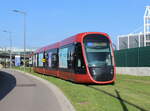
x,y
114,45
10,39
125,44
138,42
24,23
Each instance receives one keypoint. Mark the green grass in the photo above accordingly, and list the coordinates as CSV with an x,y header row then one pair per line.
x,y
130,93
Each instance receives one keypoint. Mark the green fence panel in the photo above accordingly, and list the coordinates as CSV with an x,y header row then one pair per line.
x,y
134,57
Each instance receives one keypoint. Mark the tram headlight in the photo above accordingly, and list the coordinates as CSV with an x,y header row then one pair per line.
x,y
112,71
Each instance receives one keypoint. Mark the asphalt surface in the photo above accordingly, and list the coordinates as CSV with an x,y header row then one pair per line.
x,y
19,92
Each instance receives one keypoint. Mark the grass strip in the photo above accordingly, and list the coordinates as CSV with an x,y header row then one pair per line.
x,y
130,93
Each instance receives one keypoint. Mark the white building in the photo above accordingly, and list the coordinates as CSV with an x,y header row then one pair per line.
x,y
141,39
16,50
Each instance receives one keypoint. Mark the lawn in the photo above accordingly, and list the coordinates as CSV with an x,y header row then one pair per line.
x,y
130,93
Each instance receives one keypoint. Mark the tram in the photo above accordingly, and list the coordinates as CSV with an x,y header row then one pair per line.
x,y
83,58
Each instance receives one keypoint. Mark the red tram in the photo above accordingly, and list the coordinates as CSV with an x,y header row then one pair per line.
x,y
84,58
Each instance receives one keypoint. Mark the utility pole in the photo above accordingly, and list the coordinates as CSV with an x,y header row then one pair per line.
x,y
24,25
10,53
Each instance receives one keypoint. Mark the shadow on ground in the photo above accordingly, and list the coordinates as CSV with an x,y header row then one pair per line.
x,y
7,83
123,102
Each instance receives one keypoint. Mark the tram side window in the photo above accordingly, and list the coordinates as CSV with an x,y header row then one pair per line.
x,y
46,59
40,58
66,58
70,57
79,60
35,60
63,64
52,59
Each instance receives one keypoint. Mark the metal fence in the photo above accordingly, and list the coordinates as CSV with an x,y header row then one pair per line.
x,y
134,57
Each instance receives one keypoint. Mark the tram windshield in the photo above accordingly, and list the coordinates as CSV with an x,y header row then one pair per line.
x,y
98,50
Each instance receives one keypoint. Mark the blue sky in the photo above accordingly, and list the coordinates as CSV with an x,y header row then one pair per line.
x,y
49,21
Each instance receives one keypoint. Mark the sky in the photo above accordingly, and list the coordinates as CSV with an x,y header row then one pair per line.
x,y
49,21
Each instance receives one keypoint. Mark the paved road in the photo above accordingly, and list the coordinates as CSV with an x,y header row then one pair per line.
x,y
19,92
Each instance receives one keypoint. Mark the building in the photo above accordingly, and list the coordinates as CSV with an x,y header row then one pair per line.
x,y
141,39
5,55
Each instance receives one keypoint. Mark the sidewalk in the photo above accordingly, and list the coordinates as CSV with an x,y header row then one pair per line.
x,y
63,101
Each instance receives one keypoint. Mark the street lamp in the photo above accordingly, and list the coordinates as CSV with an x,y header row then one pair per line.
x,y
24,14
10,46
114,45
125,44
137,42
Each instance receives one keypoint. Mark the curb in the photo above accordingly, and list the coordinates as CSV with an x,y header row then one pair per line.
x,y
62,99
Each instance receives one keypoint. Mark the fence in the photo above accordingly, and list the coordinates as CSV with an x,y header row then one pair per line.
x,y
134,57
